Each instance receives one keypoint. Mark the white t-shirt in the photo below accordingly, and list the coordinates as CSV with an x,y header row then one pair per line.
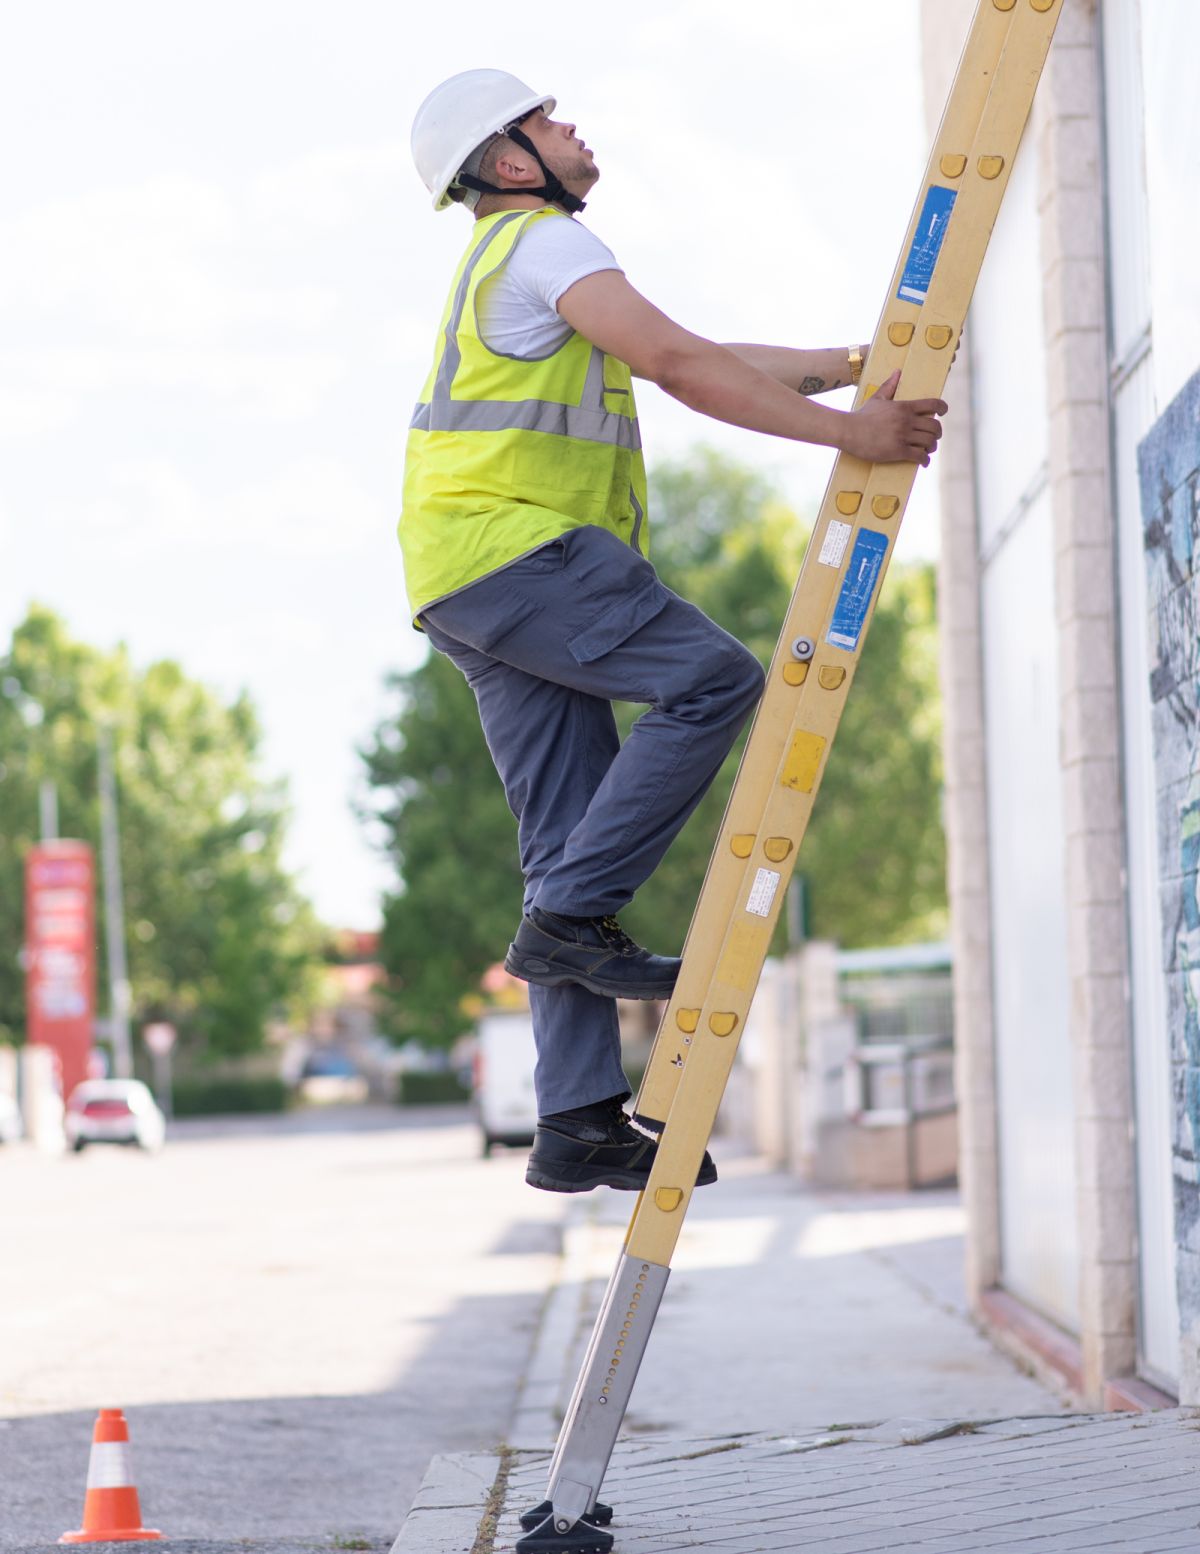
x,y
518,308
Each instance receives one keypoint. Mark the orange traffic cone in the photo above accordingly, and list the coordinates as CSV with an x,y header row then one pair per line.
x,y
111,1513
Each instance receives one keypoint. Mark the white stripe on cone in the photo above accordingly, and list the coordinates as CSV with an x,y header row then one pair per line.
x,y
108,1466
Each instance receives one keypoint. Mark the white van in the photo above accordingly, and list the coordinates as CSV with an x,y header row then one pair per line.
x,y
503,1078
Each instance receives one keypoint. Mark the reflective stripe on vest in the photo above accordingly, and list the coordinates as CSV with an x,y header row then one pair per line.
x,y
588,420
527,415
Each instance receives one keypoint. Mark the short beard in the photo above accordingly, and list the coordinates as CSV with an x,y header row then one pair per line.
x,y
582,171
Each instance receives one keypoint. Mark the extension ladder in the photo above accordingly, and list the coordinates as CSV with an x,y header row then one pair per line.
x,y
809,680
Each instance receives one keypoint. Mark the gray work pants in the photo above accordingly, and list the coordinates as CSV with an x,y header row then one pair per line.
x,y
546,644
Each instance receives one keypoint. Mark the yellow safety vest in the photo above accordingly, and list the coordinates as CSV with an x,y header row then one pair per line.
x,y
504,454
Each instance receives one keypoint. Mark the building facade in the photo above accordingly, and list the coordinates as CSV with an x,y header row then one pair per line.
x,y
1071,648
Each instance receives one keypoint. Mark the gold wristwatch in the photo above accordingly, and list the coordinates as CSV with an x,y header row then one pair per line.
x,y
855,357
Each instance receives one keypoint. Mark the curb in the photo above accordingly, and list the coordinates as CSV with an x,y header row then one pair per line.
x,y
450,1505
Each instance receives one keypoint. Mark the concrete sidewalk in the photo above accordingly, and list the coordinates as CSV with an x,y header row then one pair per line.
x,y
806,1344
786,1309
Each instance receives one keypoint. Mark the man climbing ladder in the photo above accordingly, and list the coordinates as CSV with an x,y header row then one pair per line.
x,y
524,537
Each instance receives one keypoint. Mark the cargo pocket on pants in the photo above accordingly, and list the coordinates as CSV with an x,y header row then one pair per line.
x,y
618,624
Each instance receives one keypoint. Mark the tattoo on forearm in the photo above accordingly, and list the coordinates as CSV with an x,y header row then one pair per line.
x,y
812,385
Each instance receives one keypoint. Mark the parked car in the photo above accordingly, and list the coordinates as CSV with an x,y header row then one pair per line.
x,y
329,1076
503,1078
114,1111
10,1119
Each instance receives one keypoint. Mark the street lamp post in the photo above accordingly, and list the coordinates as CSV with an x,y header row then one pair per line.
x,y
114,910
48,809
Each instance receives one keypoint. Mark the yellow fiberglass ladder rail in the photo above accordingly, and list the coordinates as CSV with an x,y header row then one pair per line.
x,y
807,686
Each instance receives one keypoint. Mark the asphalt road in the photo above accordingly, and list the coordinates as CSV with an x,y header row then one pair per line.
x,y
295,1313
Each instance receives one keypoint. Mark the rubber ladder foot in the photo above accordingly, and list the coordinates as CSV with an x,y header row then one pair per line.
x,y
582,1538
600,1515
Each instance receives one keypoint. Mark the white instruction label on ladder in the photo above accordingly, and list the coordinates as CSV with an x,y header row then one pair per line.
x,y
762,892
833,546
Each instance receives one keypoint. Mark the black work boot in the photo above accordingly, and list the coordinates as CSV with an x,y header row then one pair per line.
x,y
708,1166
595,952
595,1146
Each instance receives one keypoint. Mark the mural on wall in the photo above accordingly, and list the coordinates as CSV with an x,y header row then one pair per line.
x,y
1169,472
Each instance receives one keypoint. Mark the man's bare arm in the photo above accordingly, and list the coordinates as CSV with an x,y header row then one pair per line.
x,y
717,382
804,372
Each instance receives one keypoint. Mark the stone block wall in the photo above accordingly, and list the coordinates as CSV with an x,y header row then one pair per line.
x,y
1069,131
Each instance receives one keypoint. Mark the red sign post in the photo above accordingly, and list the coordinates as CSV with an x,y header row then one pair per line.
x,y
60,949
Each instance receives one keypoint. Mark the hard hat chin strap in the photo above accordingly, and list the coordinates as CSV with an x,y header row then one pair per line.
x,y
554,191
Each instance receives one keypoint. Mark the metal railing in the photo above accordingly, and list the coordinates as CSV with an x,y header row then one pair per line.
x,y
901,1069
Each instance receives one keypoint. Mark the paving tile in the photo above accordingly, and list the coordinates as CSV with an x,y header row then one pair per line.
x,y
1069,1538
1038,1546
733,1544
1165,1543
926,1541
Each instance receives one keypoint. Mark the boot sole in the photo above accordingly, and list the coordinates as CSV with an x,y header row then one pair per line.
x,y
564,1179
544,975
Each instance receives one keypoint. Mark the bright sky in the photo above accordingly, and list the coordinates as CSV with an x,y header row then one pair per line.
x,y
220,278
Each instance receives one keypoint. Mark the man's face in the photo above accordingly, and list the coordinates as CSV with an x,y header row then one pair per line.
x,y
562,150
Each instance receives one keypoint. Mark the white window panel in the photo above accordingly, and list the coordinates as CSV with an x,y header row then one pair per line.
x,y
1170,78
1008,358
1031,995
1129,242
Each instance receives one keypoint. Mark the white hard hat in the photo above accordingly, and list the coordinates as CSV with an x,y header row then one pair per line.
x,y
459,116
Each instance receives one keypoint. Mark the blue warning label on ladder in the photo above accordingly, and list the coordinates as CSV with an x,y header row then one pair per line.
x,y
858,589
927,243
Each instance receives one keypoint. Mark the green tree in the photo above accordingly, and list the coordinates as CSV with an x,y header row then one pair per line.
x,y
219,940
874,857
